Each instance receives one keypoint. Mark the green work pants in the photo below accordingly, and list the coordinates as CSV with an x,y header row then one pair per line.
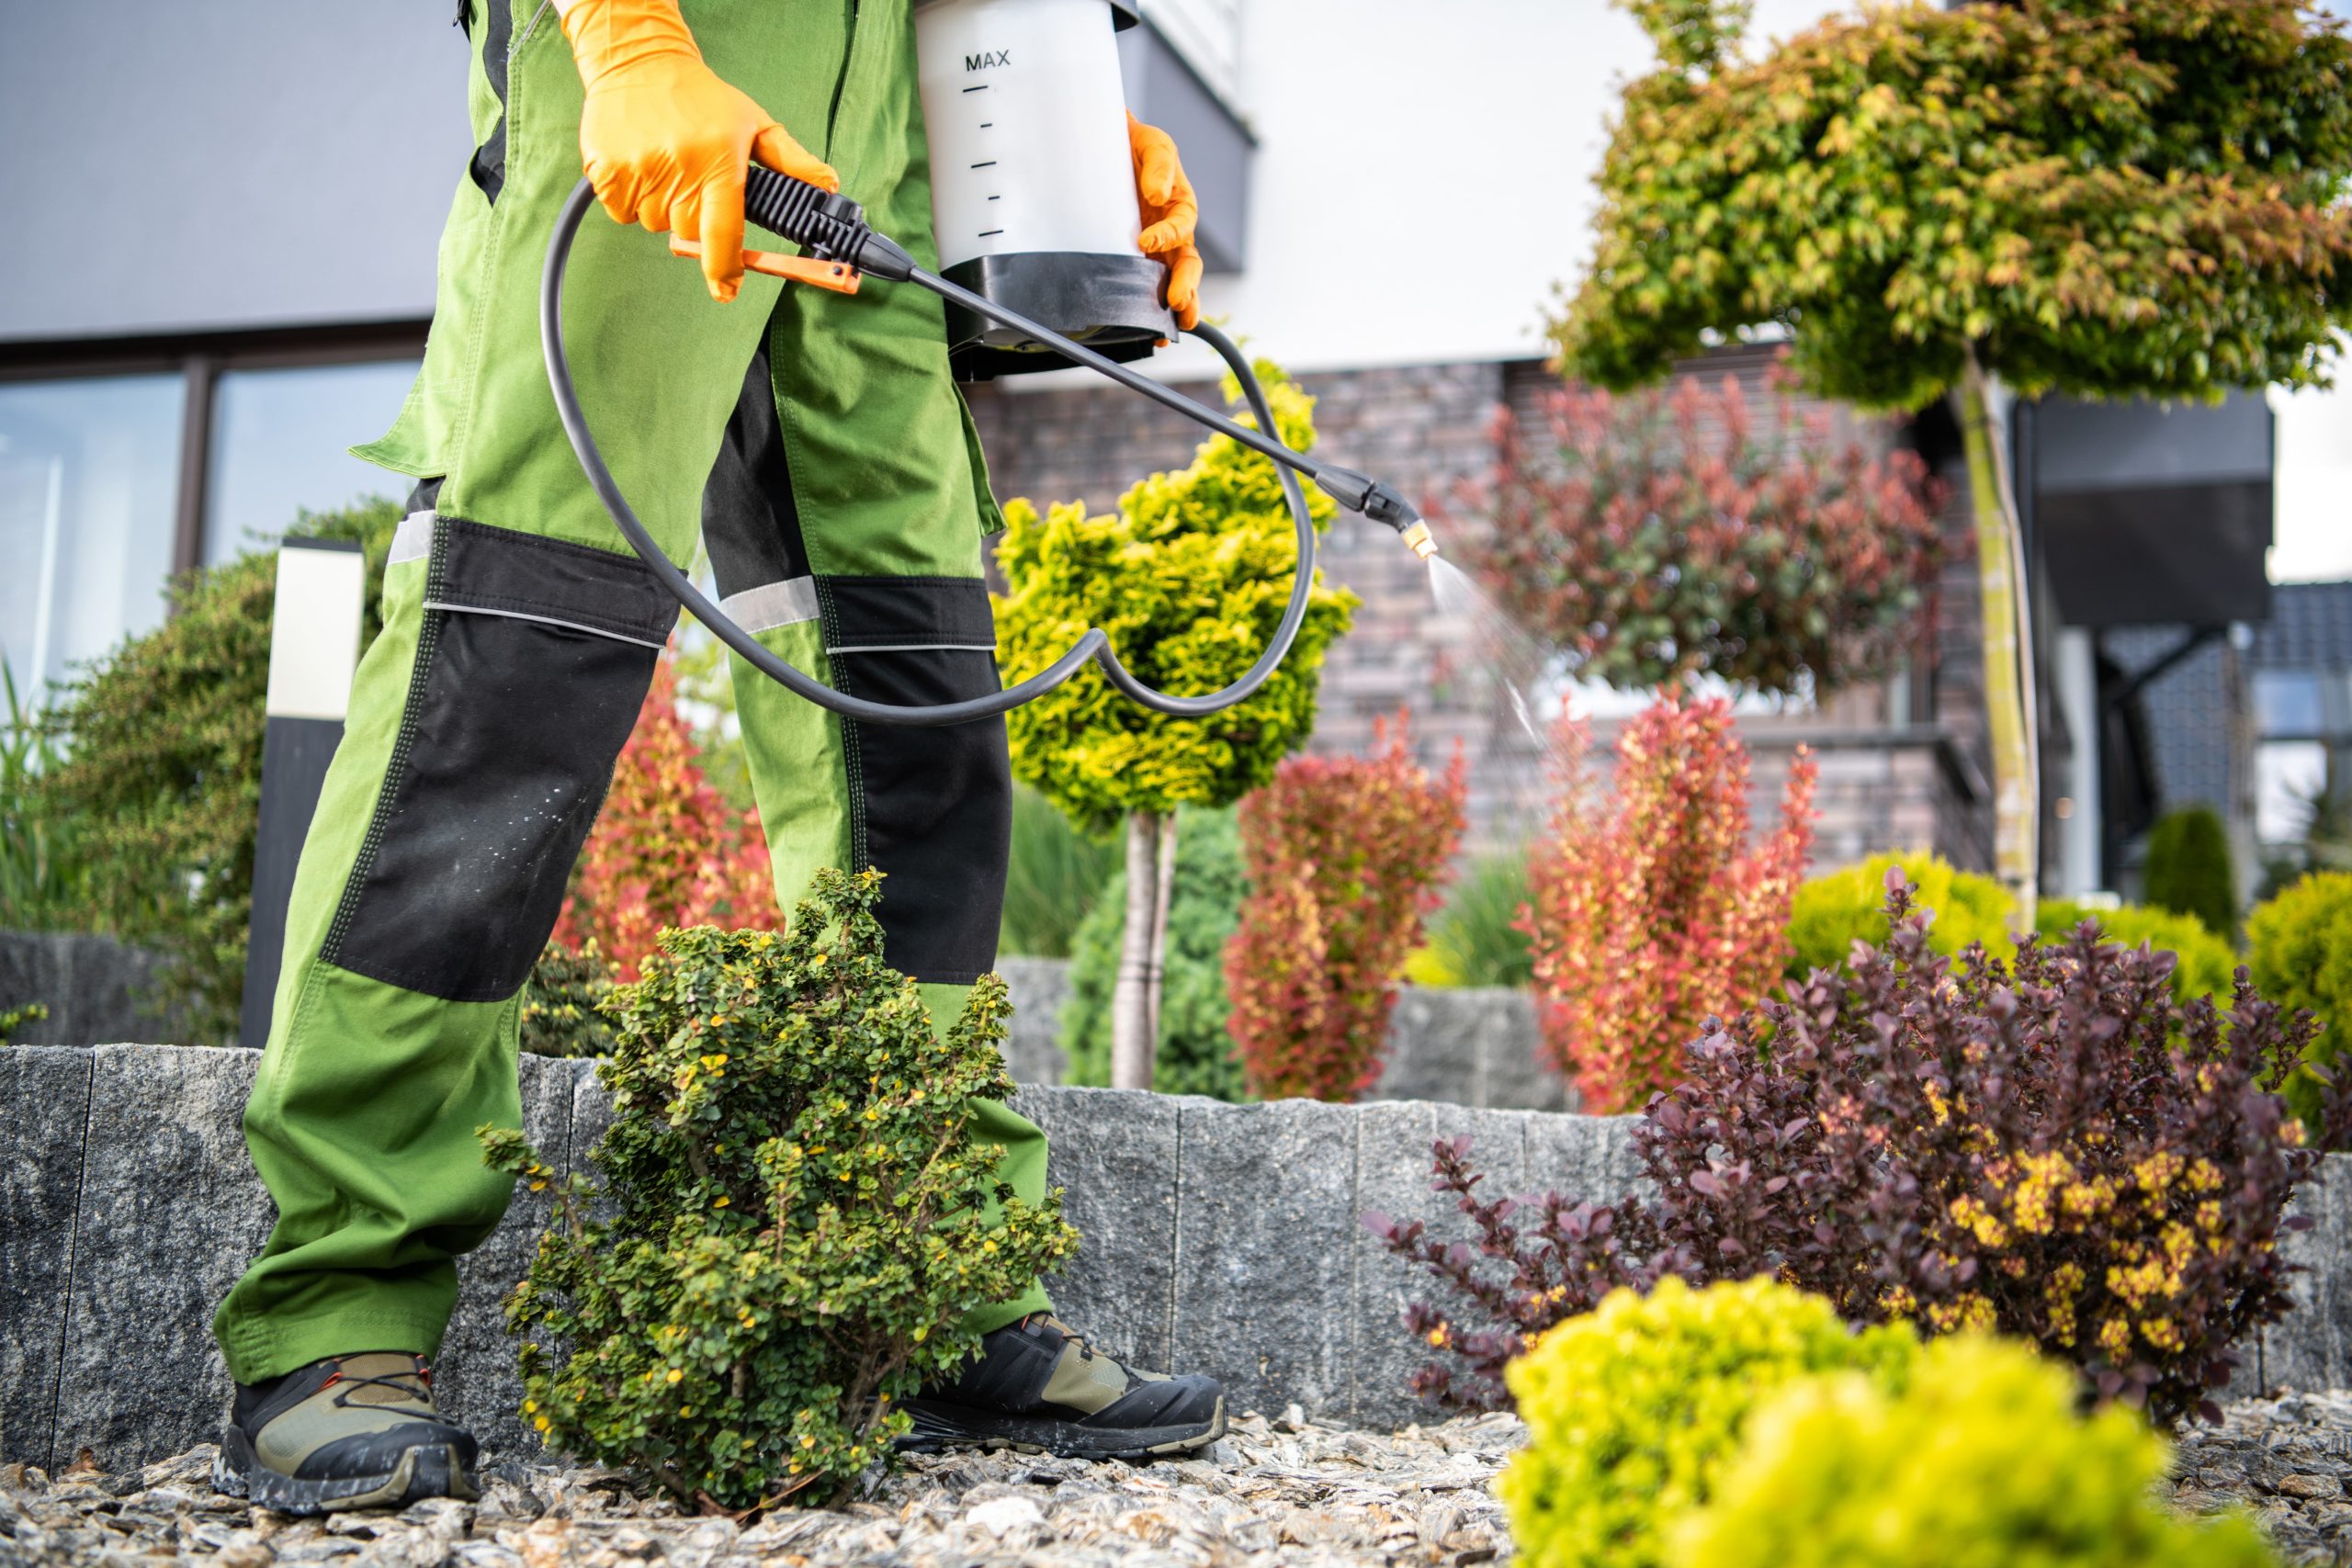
x,y
819,444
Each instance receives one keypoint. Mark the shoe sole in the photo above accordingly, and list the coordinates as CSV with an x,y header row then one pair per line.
x,y
938,1427
434,1470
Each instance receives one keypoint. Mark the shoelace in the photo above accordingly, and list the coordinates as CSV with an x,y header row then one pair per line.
x,y
415,1385
1069,1336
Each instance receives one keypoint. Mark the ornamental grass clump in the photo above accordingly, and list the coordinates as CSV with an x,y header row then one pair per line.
x,y
794,1219
1982,1460
1634,1410
2062,1152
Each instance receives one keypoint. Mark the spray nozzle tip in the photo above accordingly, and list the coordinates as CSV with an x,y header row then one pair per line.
x,y
1422,542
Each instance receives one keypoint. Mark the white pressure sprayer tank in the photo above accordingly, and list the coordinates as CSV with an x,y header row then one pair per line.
x,y
1033,188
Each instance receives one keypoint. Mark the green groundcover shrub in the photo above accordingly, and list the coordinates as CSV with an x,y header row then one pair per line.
x,y
2188,870
1054,877
1634,1409
1980,1460
1195,1048
2300,947
161,786
1833,911
2206,968
793,1221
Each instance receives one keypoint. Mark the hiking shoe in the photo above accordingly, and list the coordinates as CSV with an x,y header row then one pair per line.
x,y
348,1432
1036,1386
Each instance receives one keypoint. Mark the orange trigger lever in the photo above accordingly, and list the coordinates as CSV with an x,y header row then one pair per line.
x,y
839,276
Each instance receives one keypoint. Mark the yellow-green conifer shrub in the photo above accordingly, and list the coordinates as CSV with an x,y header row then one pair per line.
x,y
1834,910
1189,576
1634,1410
2300,948
1980,1460
2206,966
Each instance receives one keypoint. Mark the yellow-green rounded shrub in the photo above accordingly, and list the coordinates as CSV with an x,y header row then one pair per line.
x,y
1982,1460
1833,911
1633,1409
2206,966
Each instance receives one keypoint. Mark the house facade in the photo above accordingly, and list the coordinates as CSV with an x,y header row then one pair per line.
x,y
238,301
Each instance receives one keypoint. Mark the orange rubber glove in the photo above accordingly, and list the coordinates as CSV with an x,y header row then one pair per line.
x,y
1164,199
664,139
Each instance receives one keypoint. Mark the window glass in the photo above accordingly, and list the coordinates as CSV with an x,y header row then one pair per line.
x,y
2285,701
89,471
2288,776
279,440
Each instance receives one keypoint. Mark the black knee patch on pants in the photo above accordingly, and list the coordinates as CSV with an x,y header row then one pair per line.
x,y
533,659
930,808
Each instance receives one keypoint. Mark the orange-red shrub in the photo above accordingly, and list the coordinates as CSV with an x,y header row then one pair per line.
x,y
1652,913
1345,856
666,849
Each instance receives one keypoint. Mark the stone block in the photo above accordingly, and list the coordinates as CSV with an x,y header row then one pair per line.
x,y
2312,1349
1583,1159
475,1379
97,990
170,1211
1038,988
592,1113
1113,1154
1265,1250
1474,1046
1512,1073
44,1113
1393,1143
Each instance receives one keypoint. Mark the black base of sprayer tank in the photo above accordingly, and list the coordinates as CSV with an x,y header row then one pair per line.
x,y
1107,302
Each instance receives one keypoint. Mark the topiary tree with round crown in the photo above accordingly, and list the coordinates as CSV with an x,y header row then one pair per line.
x,y
1190,577
2109,199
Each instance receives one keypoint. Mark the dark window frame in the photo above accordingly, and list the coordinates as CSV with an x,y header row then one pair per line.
x,y
199,359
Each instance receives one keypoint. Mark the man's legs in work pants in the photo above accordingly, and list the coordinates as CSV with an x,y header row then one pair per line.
x,y
519,640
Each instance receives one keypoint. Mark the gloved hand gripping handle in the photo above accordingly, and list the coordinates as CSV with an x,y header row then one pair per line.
x,y
829,227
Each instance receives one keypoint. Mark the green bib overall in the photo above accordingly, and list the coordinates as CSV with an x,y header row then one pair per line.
x,y
818,444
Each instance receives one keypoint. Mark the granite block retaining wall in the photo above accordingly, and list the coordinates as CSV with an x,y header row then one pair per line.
x,y
1470,1046
1222,1238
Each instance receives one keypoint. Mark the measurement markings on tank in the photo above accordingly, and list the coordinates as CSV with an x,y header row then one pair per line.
x,y
990,164
985,62
986,232
981,88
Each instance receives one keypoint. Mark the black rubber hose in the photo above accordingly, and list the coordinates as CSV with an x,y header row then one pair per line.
x,y
1094,646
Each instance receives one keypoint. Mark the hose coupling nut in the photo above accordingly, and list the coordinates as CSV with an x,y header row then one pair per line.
x,y
1422,542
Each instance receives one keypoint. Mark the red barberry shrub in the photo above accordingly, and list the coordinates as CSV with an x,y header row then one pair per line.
x,y
1651,912
1659,535
1345,856
2062,1152
666,849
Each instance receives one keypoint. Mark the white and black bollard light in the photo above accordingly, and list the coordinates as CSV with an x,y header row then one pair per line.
x,y
313,651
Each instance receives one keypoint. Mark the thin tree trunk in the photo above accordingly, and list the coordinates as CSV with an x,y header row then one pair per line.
x,y
1133,1042
1163,894
2007,639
